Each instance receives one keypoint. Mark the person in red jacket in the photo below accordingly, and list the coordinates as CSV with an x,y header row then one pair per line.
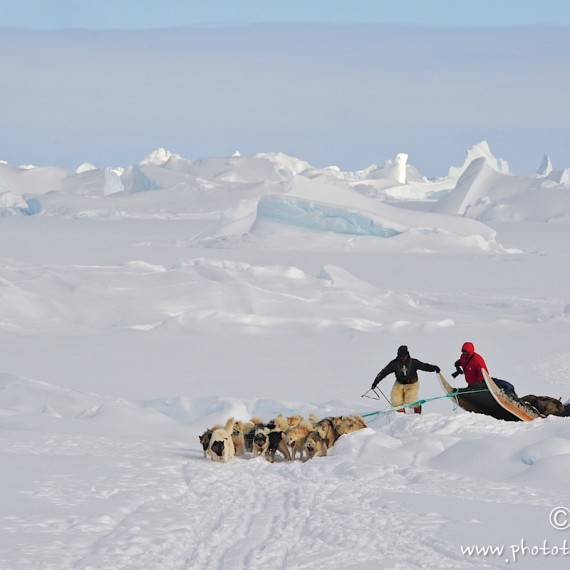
x,y
471,364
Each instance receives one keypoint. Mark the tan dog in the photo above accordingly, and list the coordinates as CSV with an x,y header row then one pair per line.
x,y
313,418
347,424
315,446
296,437
281,423
294,420
221,446
238,438
327,431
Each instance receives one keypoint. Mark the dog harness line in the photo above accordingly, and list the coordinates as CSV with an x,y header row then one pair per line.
x,y
418,403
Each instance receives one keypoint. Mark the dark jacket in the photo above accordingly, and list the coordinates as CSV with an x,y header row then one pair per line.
x,y
406,371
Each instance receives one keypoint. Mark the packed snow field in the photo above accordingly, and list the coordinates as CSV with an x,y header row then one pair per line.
x,y
141,305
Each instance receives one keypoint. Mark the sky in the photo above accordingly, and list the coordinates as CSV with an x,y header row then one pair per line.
x,y
144,14
333,83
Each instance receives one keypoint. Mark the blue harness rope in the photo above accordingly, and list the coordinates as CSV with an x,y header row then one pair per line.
x,y
418,403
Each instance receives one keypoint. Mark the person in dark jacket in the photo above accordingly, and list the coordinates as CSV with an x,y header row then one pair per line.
x,y
406,387
471,364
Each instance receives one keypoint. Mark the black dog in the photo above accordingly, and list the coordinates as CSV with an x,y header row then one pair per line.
x,y
248,438
218,448
205,440
275,438
259,442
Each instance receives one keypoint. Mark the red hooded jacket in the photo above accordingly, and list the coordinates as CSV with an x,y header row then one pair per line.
x,y
472,364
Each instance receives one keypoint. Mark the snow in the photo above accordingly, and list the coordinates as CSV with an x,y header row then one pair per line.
x,y
485,194
142,304
480,150
545,167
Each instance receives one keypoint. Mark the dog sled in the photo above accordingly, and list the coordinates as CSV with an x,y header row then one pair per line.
x,y
477,398
497,399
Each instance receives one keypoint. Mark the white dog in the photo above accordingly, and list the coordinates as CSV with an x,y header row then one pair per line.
x,y
221,446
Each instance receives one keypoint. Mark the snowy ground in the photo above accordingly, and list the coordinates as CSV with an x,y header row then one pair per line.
x,y
124,336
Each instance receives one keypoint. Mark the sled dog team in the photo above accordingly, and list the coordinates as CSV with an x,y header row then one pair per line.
x,y
290,436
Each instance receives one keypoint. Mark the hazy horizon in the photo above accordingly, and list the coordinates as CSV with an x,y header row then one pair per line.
x,y
339,95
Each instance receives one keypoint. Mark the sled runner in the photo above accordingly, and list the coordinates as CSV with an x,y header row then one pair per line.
x,y
509,402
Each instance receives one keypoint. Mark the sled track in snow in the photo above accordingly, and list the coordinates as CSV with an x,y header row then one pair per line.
x,y
240,514
158,507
